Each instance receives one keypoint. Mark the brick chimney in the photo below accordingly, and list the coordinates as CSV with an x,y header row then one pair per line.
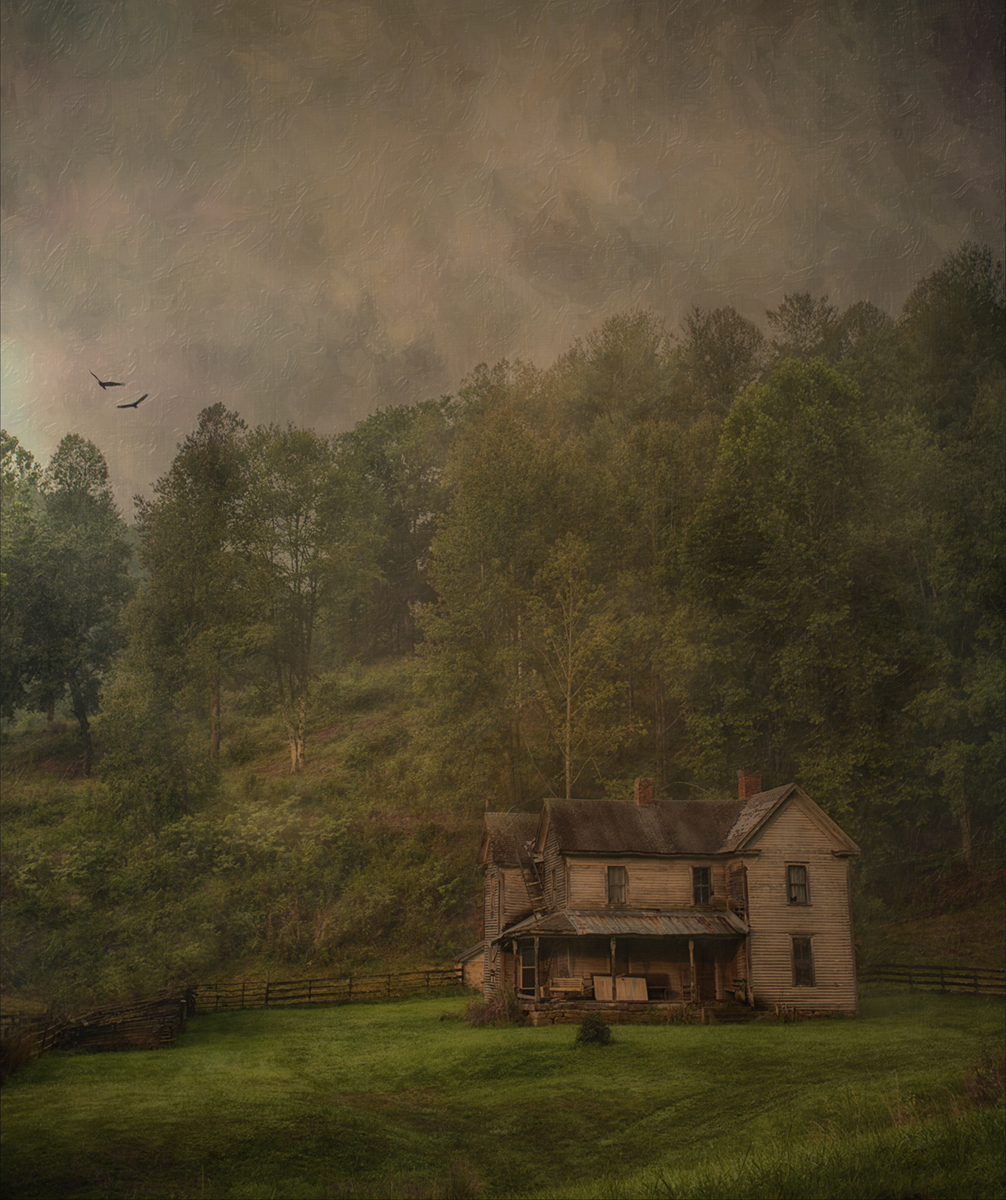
x,y
748,784
643,791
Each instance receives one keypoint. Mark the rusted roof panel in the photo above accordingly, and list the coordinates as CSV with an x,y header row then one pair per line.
x,y
630,923
624,827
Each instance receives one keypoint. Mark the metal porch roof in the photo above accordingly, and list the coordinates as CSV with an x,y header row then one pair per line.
x,y
630,923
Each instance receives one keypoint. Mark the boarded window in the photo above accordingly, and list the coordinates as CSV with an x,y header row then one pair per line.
x,y
803,962
702,887
618,885
797,880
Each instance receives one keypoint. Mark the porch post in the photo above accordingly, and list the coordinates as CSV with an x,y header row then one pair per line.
x,y
516,972
691,963
612,967
718,968
537,981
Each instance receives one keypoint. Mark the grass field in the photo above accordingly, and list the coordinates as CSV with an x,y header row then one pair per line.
x,y
404,1100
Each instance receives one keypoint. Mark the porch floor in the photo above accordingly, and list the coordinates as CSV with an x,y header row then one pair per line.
x,y
572,1010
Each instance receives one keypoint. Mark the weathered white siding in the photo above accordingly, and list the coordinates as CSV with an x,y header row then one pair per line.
x,y
505,901
793,838
653,883
553,869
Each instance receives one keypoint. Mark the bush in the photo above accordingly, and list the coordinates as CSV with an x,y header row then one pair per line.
x,y
593,1031
503,1009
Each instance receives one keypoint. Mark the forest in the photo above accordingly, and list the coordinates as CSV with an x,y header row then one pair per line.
x,y
669,553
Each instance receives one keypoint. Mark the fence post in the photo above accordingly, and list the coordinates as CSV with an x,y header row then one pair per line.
x,y
266,1005
309,982
943,985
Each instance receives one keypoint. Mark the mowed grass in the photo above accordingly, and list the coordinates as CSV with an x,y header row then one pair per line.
x,y
393,1100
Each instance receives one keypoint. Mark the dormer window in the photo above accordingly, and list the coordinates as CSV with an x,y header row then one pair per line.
x,y
702,887
618,885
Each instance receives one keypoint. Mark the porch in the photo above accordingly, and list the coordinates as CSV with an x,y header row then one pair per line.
x,y
648,959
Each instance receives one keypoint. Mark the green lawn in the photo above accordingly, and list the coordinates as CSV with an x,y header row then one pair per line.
x,y
392,1100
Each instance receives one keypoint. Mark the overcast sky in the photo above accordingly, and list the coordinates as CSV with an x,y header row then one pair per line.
x,y
315,208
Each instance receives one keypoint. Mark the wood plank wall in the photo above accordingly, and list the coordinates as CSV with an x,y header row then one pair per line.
x,y
794,838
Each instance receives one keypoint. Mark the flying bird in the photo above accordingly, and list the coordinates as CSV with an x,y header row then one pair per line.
x,y
104,383
136,403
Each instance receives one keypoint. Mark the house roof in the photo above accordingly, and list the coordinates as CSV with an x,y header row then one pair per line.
x,y
632,922
503,834
616,827
623,827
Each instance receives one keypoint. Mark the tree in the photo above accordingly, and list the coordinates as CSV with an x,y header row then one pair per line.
x,y
309,547
800,656
194,610
401,453
805,327
20,502
575,687
721,353
954,326
67,580
508,503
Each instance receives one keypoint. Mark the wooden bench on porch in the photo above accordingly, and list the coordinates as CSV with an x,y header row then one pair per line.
x,y
565,986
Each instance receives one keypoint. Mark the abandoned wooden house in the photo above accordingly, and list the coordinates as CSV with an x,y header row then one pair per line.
x,y
670,901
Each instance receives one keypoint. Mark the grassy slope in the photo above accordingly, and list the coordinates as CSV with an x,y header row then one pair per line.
x,y
390,1100
400,887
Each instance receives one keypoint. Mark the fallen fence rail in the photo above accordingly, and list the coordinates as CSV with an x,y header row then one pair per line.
x,y
984,981
143,1024
288,993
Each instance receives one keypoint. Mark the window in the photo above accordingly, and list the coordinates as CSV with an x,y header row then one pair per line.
x,y
618,885
796,877
803,962
528,964
702,887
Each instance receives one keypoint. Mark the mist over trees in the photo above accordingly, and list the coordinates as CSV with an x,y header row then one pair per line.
x,y
672,555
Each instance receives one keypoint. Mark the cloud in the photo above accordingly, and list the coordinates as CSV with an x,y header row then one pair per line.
x,y
309,210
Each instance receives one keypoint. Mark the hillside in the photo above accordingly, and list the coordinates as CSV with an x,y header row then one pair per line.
x,y
355,864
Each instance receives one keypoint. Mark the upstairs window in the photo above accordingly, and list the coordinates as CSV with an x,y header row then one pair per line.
x,y
803,962
618,885
796,878
702,887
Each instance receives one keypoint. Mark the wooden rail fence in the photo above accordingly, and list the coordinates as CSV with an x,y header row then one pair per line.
x,y
979,980
282,993
153,1021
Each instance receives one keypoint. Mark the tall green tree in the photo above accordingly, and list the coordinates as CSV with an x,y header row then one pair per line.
x,y
796,663
575,685
508,503
308,539
67,568
401,453
193,613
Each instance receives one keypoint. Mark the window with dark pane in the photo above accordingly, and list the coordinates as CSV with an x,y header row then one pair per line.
x,y
618,885
797,879
528,964
803,962
702,887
